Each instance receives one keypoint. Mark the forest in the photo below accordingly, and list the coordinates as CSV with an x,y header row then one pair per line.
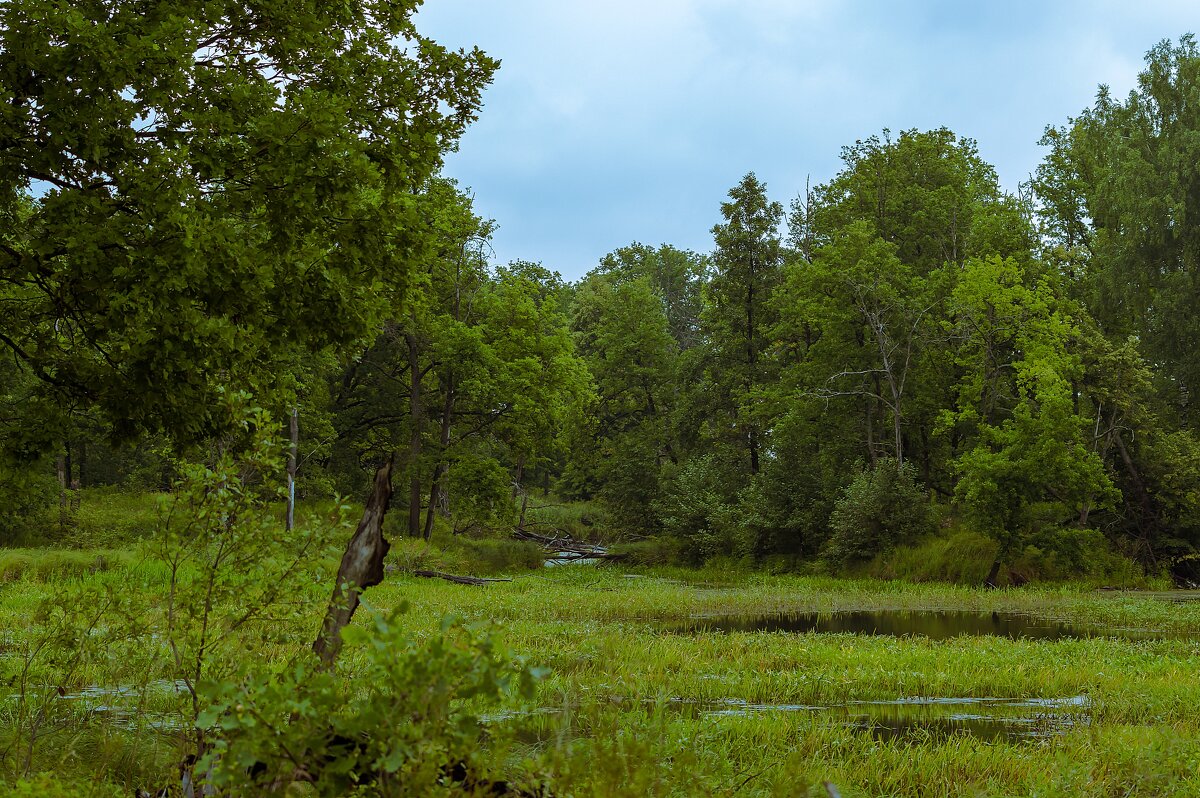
x,y
302,493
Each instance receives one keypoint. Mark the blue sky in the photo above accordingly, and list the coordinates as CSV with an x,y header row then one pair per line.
x,y
612,121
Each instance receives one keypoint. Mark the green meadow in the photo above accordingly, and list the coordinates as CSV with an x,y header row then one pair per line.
x,y
635,701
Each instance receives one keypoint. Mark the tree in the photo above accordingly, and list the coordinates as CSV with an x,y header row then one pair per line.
x,y
676,276
470,389
747,268
1031,464
621,331
928,193
1119,198
191,191
860,317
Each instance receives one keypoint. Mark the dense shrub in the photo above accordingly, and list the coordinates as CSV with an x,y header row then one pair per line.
x,y
27,496
700,508
403,725
882,508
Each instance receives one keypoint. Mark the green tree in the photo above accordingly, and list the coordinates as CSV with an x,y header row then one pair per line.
x,y
622,333
747,266
191,191
856,318
1031,464
676,276
928,193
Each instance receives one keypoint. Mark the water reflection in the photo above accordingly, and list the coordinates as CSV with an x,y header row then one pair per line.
x,y
935,625
908,720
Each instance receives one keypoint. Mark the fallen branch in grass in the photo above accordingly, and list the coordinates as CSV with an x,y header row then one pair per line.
x,y
459,580
566,549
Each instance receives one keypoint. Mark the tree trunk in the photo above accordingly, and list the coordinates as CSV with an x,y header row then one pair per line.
x,y
361,567
68,466
871,432
294,437
417,419
437,488
990,579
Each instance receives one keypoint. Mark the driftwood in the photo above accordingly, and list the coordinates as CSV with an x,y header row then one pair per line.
x,y
460,580
567,548
362,567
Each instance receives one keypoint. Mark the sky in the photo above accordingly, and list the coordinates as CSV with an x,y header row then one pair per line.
x,y
614,121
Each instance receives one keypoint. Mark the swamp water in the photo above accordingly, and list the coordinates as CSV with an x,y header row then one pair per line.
x,y
933,624
907,720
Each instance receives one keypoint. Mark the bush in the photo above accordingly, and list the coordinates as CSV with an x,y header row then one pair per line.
x,y
1061,554
467,556
45,785
402,724
882,508
655,551
27,498
581,520
108,517
700,508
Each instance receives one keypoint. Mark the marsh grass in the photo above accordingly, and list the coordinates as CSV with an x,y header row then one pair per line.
x,y
607,720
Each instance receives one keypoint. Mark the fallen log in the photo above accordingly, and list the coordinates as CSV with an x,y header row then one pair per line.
x,y
565,545
460,580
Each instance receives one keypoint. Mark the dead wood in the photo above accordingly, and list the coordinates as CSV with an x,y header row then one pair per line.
x,y
461,580
361,567
567,548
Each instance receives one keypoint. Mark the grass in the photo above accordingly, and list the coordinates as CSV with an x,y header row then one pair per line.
x,y
617,677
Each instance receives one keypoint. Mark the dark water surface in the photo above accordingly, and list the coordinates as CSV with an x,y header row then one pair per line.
x,y
917,719
935,625
907,720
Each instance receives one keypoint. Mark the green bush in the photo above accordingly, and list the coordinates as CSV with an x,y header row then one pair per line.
x,y
27,498
107,517
45,785
882,508
655,551
701,510
43,565
466,556
581,520
1061,554
403,724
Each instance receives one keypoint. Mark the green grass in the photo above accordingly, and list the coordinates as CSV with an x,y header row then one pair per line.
x,y
617,677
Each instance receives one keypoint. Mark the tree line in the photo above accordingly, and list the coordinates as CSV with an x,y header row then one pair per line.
x,y
904,347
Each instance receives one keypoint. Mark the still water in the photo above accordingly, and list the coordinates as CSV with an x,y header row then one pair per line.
x,y
935,625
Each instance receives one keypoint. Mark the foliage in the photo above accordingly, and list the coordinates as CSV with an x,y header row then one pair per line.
x,y
1119,201
699,508
1031,464
881,508
232,573
402,725
622,334
959,557
192,193
738,314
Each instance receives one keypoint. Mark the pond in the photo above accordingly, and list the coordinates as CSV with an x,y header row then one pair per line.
x,y
932,624
906,720
991,719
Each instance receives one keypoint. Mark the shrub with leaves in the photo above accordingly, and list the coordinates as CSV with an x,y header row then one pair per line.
x,y
400,725
235,578
883,507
